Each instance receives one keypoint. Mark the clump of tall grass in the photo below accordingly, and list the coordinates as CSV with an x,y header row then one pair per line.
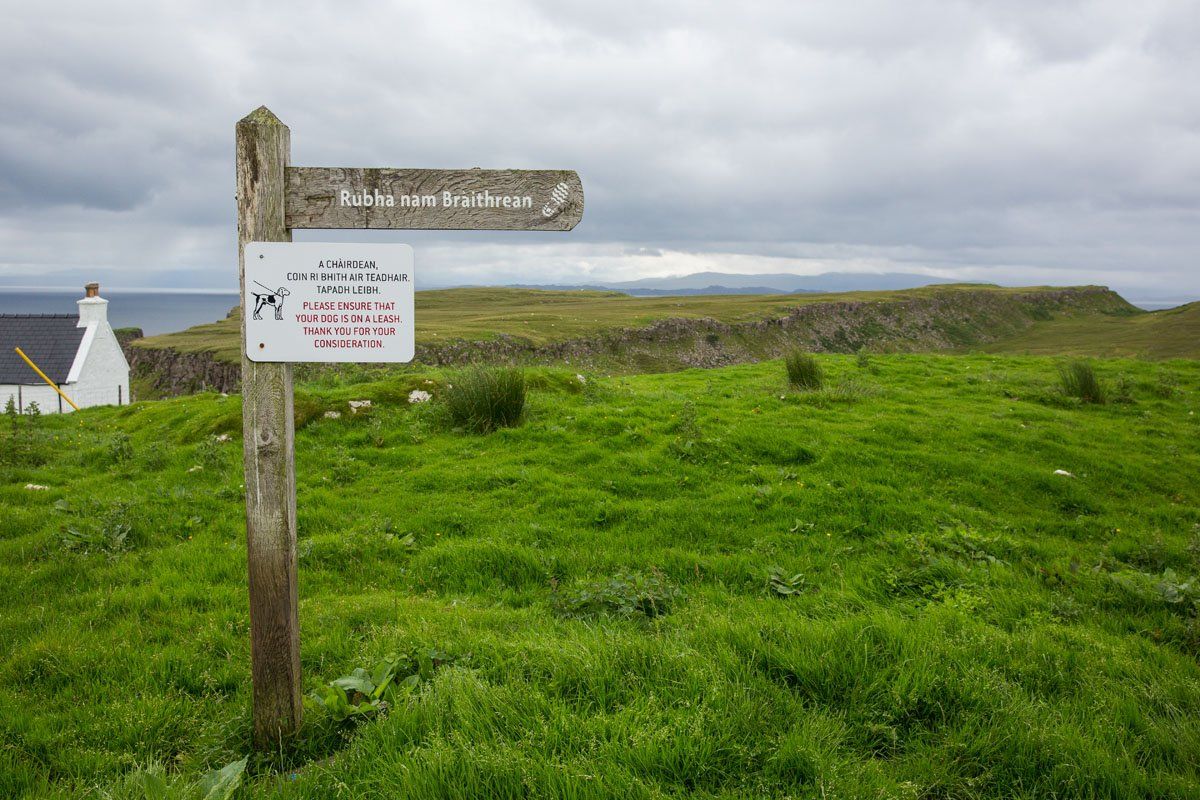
x,y
482,399
1079,380
803,371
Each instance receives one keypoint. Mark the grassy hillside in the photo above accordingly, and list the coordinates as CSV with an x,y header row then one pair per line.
x,y
542,317
947,617
1173,333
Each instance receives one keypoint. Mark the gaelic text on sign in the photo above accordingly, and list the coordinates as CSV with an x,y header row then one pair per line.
x,y
329,302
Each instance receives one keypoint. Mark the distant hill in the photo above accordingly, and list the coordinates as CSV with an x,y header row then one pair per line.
x,y
666,292
705,283
1172,333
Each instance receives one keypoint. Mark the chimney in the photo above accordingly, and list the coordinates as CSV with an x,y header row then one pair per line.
x,y
92,307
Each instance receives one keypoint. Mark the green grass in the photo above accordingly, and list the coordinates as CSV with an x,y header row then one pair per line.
x,y
960,621
542,317
1173,333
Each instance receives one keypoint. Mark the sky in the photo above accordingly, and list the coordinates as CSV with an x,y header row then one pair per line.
x,y
1010,142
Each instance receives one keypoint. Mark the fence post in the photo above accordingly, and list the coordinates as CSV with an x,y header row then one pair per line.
x,y
263,152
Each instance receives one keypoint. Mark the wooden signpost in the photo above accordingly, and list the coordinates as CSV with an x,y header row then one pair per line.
x,y
273,198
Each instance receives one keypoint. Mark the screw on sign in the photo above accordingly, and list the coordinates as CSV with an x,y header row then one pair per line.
x,y
344,312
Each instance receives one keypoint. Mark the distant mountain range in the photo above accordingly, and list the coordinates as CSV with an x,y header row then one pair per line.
x,y
728,283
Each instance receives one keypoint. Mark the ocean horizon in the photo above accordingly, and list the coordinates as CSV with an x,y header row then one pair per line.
x,y
154,311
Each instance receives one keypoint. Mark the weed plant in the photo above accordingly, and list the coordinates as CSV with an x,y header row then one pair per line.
x,y
627,595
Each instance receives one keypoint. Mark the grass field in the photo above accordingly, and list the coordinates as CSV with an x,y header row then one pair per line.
x,y
541,317
701,584
1172,333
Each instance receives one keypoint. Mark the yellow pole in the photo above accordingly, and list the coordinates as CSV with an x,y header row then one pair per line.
x,y
49,382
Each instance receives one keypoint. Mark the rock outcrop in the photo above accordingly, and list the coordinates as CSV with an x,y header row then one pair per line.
x,y
937,321
175,373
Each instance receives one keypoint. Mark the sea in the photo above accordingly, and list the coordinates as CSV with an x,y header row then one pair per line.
x,y
153,311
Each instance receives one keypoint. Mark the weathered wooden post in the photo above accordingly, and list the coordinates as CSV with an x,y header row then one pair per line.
x,y
263,152
350,303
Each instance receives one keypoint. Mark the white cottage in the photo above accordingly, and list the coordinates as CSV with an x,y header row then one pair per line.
x,y
80,355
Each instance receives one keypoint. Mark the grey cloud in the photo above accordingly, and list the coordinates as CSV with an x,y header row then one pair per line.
x,y
1006,139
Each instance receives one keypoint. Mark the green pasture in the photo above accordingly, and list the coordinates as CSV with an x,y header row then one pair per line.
x,y
701,584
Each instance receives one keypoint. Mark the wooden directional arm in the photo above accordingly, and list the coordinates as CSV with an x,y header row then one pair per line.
x,y
433,199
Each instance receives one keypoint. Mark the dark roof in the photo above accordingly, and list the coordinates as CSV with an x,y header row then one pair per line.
x,y
50,340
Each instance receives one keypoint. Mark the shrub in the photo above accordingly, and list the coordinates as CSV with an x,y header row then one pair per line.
x,y
803,371
482,399
1079,380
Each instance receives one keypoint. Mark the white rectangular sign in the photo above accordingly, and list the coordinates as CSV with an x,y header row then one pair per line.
x,y
329,301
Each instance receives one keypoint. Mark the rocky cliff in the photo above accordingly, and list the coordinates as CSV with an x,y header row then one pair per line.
x,y
938,321
174,373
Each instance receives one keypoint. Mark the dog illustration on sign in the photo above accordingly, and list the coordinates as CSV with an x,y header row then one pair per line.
x,y
272,298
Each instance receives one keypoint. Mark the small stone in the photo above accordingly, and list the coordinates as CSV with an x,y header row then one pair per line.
x,y
196,468
418,396
358,405
224,437
36,487
333,414
1064,473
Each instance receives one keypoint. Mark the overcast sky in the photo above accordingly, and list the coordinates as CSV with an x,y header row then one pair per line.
x,y
1013,142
